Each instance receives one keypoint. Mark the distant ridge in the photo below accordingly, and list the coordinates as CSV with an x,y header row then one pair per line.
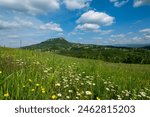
x,y
106,53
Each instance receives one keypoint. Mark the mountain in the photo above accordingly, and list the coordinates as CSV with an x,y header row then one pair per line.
x,y
50,45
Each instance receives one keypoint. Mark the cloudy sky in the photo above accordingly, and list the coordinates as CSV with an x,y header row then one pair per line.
x,y
104,22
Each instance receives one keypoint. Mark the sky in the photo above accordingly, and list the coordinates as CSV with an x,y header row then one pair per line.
x,y
102,22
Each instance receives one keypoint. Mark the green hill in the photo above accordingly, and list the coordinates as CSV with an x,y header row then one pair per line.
x,y
105,53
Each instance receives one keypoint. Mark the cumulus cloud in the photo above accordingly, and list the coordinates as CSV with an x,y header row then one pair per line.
x,y
118,3
88,27
31,6
76,4
138,3
51,26
99,18
93,21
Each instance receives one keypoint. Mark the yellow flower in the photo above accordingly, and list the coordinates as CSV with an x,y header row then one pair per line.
x,y
98,98
6,94
43,91
32,90
54,97
37,85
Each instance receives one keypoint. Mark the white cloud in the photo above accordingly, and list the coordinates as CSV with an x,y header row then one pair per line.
x,y
76,4
138,3
146,30
118,36
99,18
51,26
88,27
16,23
31,6
104,32
118,3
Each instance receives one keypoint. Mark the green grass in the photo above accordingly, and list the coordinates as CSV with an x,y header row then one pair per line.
x,y
42,75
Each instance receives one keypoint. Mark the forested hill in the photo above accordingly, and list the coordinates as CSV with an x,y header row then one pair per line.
x,y
105,53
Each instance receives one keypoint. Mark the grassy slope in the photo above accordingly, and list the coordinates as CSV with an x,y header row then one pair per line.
x,y
22,70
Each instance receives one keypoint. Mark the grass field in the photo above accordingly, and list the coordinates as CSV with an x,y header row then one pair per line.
x,y
35,75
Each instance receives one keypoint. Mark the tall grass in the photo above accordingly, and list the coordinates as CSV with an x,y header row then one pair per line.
x,y
35,75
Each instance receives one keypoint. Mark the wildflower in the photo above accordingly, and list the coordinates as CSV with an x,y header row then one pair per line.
x,y
30,80
43,91
57,85
6,94
93,84
67,97
88,93
37,85
66,86
45,71
59,94
70,91
32,90
54,97
107,89
82,83
143,94
78,94
119,98
98,98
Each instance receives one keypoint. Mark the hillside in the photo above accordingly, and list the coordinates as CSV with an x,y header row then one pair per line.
x,y
105,53
30,75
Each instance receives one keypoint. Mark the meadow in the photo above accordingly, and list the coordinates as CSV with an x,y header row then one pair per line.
x,y
31,75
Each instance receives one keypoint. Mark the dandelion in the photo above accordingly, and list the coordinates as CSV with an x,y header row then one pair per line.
x,y
54,97
98,98
32,90
88,93
6,94
43,91
37,85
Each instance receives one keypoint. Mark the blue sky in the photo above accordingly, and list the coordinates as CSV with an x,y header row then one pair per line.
x,y
103,22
